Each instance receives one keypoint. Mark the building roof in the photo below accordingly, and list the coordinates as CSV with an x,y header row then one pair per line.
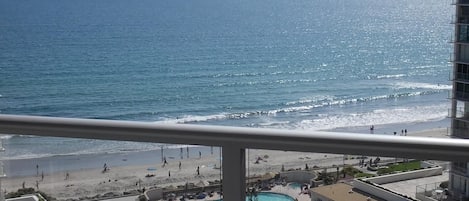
x,y
341,192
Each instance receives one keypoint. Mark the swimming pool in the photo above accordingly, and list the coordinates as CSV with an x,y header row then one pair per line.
x,y
295,185
263,196
267,196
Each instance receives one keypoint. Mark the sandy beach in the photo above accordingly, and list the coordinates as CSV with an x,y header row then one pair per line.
x,y
88,182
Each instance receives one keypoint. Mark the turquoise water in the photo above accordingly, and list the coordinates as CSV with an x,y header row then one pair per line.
x,y
294,185
264,196
271,197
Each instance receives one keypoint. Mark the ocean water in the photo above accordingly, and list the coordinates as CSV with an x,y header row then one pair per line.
x,y
286,64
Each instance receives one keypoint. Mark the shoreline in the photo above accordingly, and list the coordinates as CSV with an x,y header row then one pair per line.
x,y
389,129
128,172
63,163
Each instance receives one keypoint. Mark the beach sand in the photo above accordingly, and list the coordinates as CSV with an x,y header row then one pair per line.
x,y
89,182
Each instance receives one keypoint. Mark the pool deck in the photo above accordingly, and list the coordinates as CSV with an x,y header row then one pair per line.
x,y
292,192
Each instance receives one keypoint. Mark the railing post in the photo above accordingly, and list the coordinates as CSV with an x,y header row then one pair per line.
x,y
234,173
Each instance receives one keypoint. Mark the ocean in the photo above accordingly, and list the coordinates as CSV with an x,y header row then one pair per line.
x,y
287,64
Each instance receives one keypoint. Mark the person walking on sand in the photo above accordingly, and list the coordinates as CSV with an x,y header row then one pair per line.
x,y
169,173
198,170
182,153
180,165
165,162
67,175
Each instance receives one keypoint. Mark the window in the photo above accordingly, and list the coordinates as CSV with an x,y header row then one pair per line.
x,y
463,53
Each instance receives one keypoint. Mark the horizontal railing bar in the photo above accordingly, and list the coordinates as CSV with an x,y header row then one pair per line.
x,y
259,138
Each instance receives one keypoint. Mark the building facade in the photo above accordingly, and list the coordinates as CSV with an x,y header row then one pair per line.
x,y
459,177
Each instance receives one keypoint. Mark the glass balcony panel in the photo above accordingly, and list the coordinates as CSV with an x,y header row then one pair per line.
x,y
72,169
295,175
313,176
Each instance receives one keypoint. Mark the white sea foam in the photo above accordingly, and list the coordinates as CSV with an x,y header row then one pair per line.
x,y
6,137
390,76
192,118
375,117
311,99
304,104
419,85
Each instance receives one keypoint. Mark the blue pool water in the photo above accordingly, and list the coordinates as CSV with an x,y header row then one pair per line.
x,y
264,196
271,197
294,185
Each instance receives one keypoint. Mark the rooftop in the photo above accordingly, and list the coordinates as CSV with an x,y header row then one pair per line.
x,y
341,192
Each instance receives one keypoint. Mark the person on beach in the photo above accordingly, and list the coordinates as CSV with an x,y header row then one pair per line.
x,y
182,153
42,176
165,162
37,184
180,165
37,169
405,132
402,132
200,155
198,170
169,173
105,168
24,184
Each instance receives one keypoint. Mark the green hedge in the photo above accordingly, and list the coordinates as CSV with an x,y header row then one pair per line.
x,y
401,167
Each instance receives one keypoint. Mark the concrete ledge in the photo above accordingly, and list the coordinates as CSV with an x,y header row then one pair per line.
x,y
379,191
402,176
372,185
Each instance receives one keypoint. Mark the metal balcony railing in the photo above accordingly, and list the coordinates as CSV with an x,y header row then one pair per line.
x,y
235,140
